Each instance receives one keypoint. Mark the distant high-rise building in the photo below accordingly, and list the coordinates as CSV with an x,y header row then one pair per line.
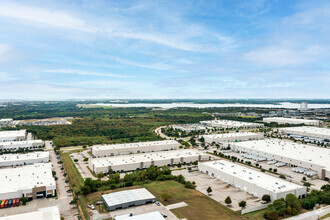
x,y
303,106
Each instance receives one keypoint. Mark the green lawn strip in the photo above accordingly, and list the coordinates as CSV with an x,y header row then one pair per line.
x,y
258,215
199,205
325,216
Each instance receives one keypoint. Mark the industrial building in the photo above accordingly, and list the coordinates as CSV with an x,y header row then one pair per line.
x,y
281,120
307,131
251,181
31,181
49,213
189,127
309,158
15,145
127,198
228,124
7,160
132,148
230,137
6,136
6,122
142,161
146,216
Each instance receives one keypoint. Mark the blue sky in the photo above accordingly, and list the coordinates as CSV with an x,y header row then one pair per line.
x,y
164,49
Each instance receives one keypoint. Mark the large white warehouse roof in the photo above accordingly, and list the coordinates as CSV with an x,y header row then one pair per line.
x,y
26,177
252,176
232,135
49,213
137,158
127,196
12,134
282,120
230,124
289,149
135,145
14,159
308,131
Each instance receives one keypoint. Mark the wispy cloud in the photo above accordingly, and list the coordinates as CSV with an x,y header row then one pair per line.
x,y
85,73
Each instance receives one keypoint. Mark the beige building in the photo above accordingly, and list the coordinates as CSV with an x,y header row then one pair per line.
x,y
132,148
307,131
142,161
15,145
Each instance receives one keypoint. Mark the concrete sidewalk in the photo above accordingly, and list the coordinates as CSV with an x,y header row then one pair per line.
x,y
312,215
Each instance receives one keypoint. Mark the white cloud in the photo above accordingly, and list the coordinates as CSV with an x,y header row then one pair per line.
x,y
6,77
282,55
85,73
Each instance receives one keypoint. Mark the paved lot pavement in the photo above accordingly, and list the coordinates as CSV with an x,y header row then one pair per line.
x,y
136,211
312,215
220,190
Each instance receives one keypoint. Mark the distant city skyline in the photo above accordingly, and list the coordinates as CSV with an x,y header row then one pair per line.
x,y
57,50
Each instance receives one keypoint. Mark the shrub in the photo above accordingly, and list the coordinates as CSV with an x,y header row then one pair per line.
x,y
266,198
228,200
282,176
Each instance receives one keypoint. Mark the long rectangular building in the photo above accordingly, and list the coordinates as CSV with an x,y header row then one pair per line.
x,y
294,154
146,216
18,135
23,159
229,124
15,145
252,181
127,198
31,181
307,131
49,213
235,136
282,120
189,127
142,161
129,148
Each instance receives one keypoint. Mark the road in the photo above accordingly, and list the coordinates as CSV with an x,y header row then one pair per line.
x,y
68,212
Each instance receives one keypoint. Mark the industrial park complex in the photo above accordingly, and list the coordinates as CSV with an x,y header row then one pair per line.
x,y
228,124
232,137
281,120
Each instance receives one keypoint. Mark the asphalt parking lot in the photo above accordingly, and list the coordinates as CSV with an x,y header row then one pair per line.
x,y
220,190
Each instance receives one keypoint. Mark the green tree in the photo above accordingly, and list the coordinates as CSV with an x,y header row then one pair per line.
x,y
228,200
242,204
24,200
86,159
209,190
266,198
166,196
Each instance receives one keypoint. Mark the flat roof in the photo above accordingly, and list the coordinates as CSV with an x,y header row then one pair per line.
x,y
233,134
290,149
146,216
258,178
26,177
16,133
144,157
49,213
126,196
308,130
232,123
8,143
293,120
6,119
130,145
23,157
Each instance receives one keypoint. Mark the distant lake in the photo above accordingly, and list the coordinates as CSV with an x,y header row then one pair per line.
x,y
287,105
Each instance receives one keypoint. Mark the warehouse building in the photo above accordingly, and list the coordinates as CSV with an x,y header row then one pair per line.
x,y
230,137
31,181
251,181
7,160
287,152
19,135
127,198
228,124
307,131
6,122
189,127
15,145
146,216
143,161
132,148
49,213
281,120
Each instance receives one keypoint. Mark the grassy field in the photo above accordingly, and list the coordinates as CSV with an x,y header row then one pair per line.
x,y
199,205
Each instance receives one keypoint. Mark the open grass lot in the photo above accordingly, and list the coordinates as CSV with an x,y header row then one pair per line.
x,y
199,205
